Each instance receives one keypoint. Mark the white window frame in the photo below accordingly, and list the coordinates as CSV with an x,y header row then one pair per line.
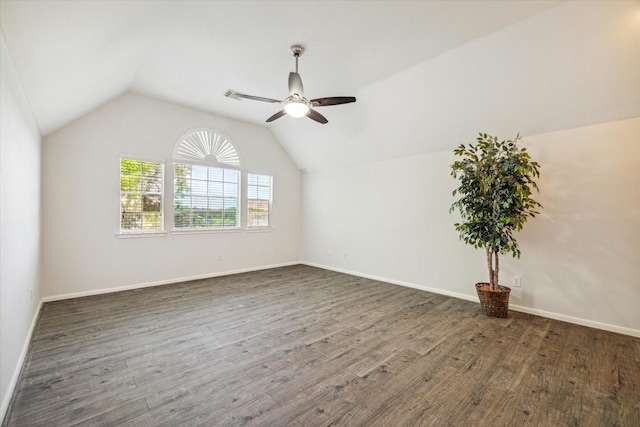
x,y
141,232
206,196
267,196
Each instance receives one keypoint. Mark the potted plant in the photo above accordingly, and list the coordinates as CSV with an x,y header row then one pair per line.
x,y
496,181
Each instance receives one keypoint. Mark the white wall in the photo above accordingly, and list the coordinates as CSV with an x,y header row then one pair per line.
x,y
568,66
20,224
81,253
580,258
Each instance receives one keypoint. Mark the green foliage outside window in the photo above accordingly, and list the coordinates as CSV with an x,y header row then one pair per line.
x,y
141,184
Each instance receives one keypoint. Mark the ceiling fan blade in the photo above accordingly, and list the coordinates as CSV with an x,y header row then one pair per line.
x,y
332,100
295,84
237,95
314,115
276,116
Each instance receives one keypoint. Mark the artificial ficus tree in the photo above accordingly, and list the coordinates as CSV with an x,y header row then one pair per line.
x,y
496,182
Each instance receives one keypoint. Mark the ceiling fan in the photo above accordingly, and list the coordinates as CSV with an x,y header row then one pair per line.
x,y
296,105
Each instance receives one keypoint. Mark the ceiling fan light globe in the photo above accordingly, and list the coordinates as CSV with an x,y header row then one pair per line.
x,y
296,108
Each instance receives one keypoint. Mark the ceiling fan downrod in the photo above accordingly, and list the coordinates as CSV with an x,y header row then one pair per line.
x,y
296,51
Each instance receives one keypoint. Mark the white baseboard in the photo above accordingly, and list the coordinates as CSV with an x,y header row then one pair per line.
x,y
548,314
18,369
162,282
577,320
395,282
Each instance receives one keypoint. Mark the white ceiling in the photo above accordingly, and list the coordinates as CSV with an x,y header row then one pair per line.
x,y
428,75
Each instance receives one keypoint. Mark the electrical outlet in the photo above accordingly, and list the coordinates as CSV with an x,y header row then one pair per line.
x,y
516,281
219,257
329,253
31,294
344,255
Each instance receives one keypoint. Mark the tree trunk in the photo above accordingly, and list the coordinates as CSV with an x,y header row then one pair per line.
x,y
490,266
496,285
493,263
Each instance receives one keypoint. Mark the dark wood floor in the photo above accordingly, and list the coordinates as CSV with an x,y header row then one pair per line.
x,y
300,346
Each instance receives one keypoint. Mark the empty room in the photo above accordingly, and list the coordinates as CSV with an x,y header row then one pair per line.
x,y
313,213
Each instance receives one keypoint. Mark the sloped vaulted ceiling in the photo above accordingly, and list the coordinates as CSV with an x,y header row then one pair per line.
x,y
427,75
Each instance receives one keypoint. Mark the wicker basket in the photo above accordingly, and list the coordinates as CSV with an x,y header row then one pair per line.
x,y
493,303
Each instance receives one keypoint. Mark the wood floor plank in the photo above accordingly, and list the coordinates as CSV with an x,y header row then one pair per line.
x,y
302,346
117,416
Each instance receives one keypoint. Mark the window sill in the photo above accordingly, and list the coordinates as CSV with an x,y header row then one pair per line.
x,y
147,234
141,234
208,231
260,229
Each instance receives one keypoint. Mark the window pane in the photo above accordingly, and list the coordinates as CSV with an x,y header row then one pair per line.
x,y
230,216
131,203
182,202
181,171
252,192
199,218
182,219
182,186
151,184
128,166
198,202
130,183
198,172
264,193
230,190
230,203
230,175
151,203
213,200
131,221
215,189
215,174
141,187
152,169
216,203
151,220
216,218
199,188
258,200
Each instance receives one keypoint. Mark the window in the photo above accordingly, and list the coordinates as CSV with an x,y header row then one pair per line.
x,y
141,187
259,200
206,181
205,197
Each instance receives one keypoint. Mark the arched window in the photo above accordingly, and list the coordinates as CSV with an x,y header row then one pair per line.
x,y
206,146
206,181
